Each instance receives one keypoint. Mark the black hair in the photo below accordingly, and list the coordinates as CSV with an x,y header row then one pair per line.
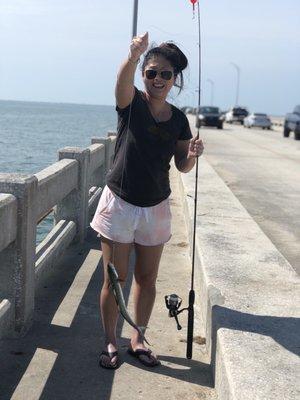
x,y
173,55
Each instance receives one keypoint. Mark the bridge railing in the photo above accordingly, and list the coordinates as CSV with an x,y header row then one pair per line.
x,y
70,188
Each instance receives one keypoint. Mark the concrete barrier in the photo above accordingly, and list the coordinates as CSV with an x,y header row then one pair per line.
x,y
249,297
71,187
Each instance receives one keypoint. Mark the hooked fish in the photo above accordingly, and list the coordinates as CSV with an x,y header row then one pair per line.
x,y
118,293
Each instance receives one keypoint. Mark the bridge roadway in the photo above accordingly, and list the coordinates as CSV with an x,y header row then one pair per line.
x,y
58,357
262,169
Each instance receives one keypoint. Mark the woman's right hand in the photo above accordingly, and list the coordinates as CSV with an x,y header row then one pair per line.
x,y
138,46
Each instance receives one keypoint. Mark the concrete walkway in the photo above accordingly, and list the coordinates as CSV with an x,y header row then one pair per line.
x,y
262,169
249,296
58,358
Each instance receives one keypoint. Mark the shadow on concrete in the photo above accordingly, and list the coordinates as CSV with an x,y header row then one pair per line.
x,y
74,373
285,331
61,362
180,368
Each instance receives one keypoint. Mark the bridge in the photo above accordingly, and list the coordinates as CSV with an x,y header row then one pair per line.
x,y
246,343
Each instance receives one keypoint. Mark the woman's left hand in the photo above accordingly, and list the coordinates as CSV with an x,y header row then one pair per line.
x,y
195,148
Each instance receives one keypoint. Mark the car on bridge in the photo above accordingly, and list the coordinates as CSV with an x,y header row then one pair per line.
x,y
236,114
210,116
258,120
292,123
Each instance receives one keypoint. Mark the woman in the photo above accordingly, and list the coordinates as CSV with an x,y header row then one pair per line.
x,y
134,208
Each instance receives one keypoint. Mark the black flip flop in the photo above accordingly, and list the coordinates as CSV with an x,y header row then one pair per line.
x,y
110,355
153,361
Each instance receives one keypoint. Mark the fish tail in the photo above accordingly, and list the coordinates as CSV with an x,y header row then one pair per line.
x,y
141,330
149,344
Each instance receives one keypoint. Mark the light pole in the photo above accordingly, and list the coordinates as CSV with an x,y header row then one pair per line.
x,y
212,91
135,17
238,70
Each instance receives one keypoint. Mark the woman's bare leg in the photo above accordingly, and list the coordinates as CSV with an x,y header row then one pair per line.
x,y
118,254
146,269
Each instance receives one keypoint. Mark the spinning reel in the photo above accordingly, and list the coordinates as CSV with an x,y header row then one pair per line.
x,y
173,303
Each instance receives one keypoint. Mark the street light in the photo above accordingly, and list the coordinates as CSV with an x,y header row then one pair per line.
x,y
135,17
237,82
212,91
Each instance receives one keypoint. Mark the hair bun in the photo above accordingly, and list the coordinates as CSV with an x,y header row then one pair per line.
x,y
182,61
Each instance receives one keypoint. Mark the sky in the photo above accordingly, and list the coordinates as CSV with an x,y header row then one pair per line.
x,y
70,50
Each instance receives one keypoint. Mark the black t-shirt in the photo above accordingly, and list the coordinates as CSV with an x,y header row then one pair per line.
x,y
140,171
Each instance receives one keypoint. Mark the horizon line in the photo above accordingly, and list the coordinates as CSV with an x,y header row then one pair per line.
x,y
58,102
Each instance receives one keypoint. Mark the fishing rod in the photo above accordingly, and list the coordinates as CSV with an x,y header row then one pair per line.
x,y
173,301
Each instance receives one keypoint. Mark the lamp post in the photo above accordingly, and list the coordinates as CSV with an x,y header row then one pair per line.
x,y
238,70
135,17
212,91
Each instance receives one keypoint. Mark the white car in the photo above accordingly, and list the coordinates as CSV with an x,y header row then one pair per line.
x,y
258,120
236,114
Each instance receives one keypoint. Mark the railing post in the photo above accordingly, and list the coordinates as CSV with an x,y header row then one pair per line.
x,y
74,207
107,142
17,261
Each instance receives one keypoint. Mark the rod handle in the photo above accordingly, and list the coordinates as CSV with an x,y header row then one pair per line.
x,y
190,330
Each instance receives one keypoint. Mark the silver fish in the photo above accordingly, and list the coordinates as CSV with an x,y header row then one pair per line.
x,y
118,293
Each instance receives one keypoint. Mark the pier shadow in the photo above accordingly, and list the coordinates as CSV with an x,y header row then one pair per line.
x,y
53,361
70,368
189,371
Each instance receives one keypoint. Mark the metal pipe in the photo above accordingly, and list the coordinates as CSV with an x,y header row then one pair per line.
x,y
135,17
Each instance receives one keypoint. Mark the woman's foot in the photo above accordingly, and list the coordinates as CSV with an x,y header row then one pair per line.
x,y
109,358
144,355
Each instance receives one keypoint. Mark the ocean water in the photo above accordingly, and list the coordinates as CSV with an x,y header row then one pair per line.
x,y
31,134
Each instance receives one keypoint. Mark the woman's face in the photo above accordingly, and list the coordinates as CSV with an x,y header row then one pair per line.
x,y
158,87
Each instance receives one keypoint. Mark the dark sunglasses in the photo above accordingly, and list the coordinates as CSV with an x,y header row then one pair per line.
x,y
165,75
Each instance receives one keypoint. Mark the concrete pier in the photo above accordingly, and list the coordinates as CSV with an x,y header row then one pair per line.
x,y
247,325
58,358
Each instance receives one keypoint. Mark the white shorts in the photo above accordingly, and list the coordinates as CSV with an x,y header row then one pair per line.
x,y
123,222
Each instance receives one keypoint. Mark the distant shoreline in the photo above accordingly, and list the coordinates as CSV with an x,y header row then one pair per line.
x,y
87,105
56,103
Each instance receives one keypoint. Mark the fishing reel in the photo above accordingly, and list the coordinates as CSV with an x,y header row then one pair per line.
x,y
173,303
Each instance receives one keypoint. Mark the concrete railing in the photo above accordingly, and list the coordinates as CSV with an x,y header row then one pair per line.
x,y
71,188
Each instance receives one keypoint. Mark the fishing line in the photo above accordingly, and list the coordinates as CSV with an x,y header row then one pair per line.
x,y
123,164
126,132
114,278
171,33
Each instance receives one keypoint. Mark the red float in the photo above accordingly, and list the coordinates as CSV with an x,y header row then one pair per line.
x,y
193,2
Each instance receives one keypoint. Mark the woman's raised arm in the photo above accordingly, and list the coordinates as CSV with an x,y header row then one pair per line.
x,y
125,80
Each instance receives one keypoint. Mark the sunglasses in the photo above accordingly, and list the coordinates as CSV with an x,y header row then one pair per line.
x,y
165,75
